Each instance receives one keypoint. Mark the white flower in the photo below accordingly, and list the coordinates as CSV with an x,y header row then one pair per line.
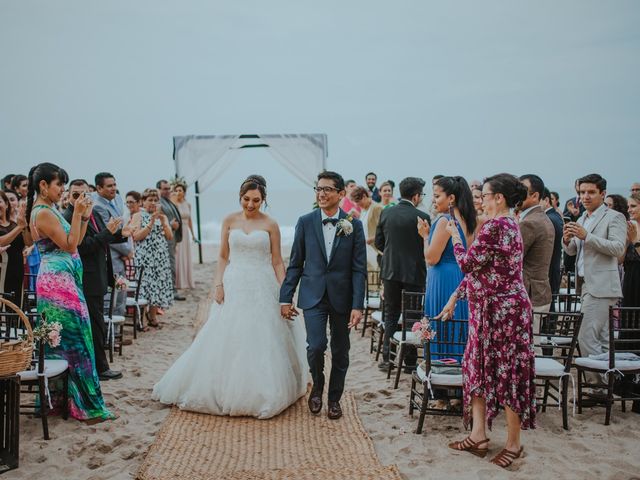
x,y
345,227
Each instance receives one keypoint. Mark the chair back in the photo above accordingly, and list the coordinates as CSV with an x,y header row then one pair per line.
x,y
133,273
557,336
29,295
112,302
374,283
412,310
449,342
624,332
566,302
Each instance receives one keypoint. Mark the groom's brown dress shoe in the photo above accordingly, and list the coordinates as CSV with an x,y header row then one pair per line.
x,y
315,402
335,412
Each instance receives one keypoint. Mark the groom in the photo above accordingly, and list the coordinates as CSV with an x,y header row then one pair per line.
x,y
329,254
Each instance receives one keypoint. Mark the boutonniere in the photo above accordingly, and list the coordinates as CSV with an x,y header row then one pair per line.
x,y
344,226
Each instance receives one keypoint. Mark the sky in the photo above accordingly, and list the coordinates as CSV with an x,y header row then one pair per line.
x,y
405,88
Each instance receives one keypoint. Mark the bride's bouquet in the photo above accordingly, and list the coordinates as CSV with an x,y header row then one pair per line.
x,y
423,330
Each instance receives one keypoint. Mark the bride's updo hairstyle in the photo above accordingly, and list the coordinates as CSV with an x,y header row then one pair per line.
x,y
255,182
510,187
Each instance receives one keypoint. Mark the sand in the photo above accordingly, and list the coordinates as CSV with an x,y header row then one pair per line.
x,y
114,450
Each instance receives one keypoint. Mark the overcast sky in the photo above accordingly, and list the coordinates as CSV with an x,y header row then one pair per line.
x,y
404,88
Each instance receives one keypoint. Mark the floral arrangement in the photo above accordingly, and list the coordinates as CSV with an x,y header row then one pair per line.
x,y
121,283
344,226
423,330
48,332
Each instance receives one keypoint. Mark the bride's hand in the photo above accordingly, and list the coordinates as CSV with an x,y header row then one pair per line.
x,y
218,296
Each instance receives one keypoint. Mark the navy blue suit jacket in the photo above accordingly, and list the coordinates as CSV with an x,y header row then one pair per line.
x,y
342,278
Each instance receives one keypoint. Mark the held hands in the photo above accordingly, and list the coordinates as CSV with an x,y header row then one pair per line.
x,y
288,311
356,316
423,228
113,224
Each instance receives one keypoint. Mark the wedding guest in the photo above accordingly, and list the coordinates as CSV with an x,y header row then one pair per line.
x,y
15,236
444,274
631,282
573,208
151,230
635,188
477,204
348,204
63,204
20,185
59,288
498,365
92,188
14,201
556,259
435,179
597,239
108,204
370,217
618,203
371,179
184,263
475,185
175,222
6,181
537,236
386,194
403,267
555,202
97,272
133,201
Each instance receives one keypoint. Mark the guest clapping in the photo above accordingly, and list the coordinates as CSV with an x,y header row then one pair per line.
x,y
498,365
15,236
631,283
370,217
151,231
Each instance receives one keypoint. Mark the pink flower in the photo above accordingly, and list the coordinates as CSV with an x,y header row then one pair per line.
x,y
54,338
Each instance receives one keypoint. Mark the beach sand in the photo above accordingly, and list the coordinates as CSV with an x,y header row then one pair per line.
x,y
114,450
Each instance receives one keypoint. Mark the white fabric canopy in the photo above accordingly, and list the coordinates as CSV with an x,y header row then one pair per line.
x,y
205,157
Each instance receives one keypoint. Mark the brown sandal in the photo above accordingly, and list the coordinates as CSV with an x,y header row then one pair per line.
x,y
468,445
506,457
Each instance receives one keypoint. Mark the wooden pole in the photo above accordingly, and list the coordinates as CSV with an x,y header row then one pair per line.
x,y
198,223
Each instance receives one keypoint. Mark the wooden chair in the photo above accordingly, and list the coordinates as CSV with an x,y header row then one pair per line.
x,y
372,301
566,302
412,312
557,338
115,327
622,359
29,295
42,370
571,282
135,305
448,343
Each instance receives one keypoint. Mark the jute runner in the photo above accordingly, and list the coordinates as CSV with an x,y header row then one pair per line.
x,y
294,445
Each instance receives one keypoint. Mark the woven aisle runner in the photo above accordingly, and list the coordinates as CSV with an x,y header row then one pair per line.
x,y
294,445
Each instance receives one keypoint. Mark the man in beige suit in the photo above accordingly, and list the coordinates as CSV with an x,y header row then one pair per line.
x,y
597,239
537,237
370,217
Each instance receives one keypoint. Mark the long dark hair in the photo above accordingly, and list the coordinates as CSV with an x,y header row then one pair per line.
x,y
459,187
510,186
43,171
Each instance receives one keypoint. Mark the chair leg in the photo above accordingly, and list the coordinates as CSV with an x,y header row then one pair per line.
x,y
364,322
565,394
579,374
609,402
65,396
380,338
121,340
423,409
44,407
545,396
412,395
399,362
395,359
624,406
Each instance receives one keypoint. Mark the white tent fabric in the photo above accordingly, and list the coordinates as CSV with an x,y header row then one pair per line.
x,y
205,157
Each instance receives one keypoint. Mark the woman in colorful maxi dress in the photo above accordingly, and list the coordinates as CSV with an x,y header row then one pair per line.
x,y
59,289
499,362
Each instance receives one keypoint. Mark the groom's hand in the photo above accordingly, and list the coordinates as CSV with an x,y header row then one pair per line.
x,y
288,311
356,316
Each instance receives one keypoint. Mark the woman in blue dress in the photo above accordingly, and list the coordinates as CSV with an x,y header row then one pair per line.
x,y
444,274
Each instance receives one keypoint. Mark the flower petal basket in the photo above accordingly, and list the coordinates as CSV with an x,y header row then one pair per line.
x,y
16,354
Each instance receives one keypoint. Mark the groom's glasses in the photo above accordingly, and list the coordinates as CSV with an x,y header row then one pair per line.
x,y
325,189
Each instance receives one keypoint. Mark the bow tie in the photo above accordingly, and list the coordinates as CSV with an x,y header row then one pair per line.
x,y
332,221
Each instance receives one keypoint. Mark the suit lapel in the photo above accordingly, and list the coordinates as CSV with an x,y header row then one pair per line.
x,y
336,238
596,220
317,226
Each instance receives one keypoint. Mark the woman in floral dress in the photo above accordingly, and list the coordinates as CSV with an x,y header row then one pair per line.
x,y
151,230
499,361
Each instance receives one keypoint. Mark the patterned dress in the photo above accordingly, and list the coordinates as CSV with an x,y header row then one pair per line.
x,y
499,361
153,253
60,299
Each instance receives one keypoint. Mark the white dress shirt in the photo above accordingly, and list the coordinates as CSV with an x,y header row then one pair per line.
x,y
588,220
329,232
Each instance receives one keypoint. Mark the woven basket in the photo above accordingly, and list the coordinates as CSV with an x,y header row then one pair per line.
x,y
16,355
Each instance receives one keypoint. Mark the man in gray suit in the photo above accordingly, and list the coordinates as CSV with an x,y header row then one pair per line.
x,y
175,220
597,239
107,203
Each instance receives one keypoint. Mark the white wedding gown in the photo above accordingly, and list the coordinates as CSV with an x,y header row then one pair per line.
x,y
246,360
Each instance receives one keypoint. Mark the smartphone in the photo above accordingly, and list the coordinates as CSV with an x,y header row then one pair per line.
x,y
567,219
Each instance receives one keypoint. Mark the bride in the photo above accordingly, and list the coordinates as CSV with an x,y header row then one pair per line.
x,y
246,360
